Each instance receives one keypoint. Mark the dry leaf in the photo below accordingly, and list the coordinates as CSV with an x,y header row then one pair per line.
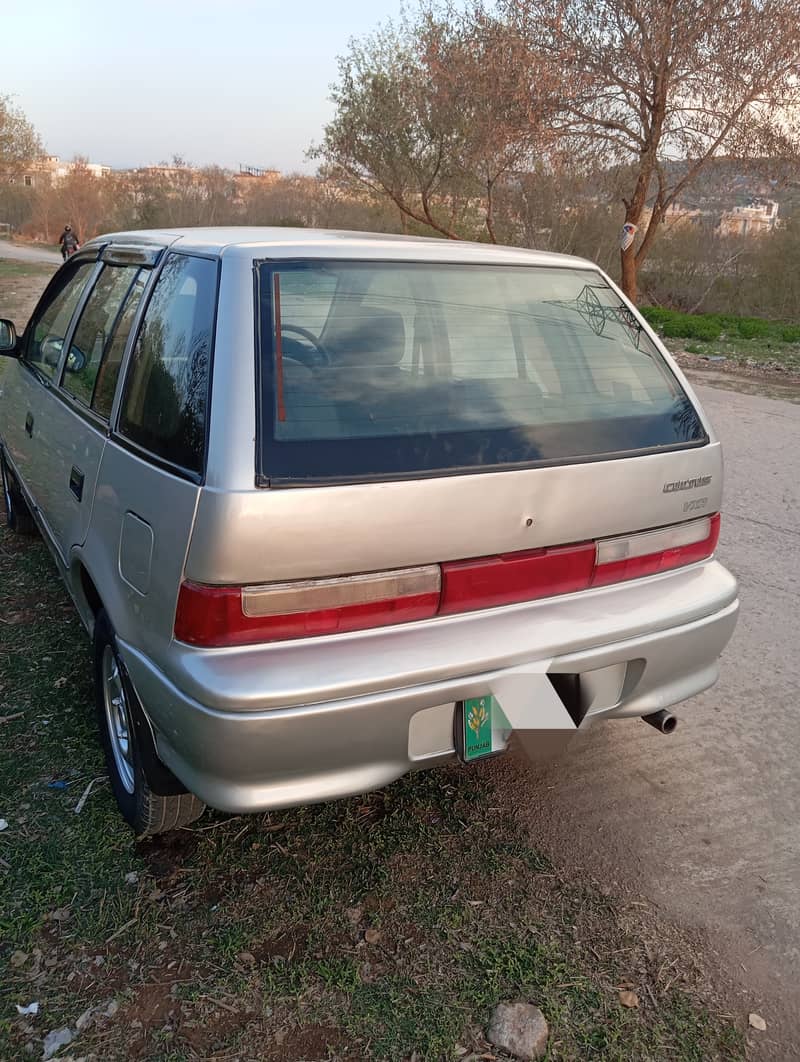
x,y
757,1022
372,936
628,999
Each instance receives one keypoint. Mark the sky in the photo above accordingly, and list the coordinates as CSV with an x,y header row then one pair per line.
x,y
215,81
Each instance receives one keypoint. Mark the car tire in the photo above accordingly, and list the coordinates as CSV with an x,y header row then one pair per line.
x,y
150,797
18,515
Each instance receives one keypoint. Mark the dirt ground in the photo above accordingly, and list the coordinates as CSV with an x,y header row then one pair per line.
x,y
730,376
20,288
704,823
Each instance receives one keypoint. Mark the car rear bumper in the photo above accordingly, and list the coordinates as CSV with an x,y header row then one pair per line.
x,y
292,723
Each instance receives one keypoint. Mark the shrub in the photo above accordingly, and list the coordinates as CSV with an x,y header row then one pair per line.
x,y
705,329
672,328
709,326
656,316
752,328
689,326
728,321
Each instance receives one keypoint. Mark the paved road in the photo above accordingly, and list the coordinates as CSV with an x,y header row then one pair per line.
x,y
21,253
706,822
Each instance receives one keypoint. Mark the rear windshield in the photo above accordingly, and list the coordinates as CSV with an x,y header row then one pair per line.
x,y
387,370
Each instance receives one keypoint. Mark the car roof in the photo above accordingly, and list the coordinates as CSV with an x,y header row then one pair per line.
x,y
285,243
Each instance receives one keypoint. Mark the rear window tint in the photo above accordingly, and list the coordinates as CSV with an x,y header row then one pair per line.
x,y
166,387
384,369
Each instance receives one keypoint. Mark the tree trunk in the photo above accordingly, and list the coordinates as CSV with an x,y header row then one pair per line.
x,y
633,213
629,273
490,211
633,258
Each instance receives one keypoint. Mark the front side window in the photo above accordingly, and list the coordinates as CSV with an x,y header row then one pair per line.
x,y
106,382
95,329
166,387
382,369
51,319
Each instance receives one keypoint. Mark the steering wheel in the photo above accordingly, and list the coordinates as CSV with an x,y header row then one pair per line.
x,y
324,356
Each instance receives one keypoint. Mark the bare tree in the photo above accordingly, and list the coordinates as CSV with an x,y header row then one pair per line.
x,y
649,81
433,114
82,198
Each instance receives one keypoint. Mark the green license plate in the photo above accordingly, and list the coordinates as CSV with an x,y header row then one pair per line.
x,y
477,717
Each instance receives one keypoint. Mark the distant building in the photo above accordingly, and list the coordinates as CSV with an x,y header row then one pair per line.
x,y
755,218
174,175
251,178
257,173
51,169
681,214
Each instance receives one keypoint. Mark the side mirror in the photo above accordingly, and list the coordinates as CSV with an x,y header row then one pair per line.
x,y
76,360
50,350
8,338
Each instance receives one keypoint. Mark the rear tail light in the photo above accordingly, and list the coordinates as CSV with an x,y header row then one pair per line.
x,y
632,557
233,615
513,577
215,616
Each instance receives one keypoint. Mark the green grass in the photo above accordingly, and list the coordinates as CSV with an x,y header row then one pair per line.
x,y
11,268
752,341
251,931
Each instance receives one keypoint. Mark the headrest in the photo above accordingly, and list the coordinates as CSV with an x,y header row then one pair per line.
x,y
365,337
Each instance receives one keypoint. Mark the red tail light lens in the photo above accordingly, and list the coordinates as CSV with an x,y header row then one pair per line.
x,y
513,577
215,616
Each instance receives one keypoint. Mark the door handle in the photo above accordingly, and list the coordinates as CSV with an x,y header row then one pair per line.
x,y
29,424
76,482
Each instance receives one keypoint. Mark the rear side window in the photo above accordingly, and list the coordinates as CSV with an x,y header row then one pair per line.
x,y
166,388
380,369
52,317
95,329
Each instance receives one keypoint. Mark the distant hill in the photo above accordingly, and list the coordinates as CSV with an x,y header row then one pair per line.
x,y
722,185
726,183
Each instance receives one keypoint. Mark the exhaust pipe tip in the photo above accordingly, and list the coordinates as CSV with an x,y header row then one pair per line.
x,y
664,722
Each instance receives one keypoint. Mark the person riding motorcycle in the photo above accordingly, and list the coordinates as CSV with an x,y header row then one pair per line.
x,y
68,242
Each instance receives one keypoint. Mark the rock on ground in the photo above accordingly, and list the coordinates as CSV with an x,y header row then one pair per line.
x,y
55,1040
520,1029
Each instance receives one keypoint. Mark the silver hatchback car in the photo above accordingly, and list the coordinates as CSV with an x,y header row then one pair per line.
x,y
334,506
